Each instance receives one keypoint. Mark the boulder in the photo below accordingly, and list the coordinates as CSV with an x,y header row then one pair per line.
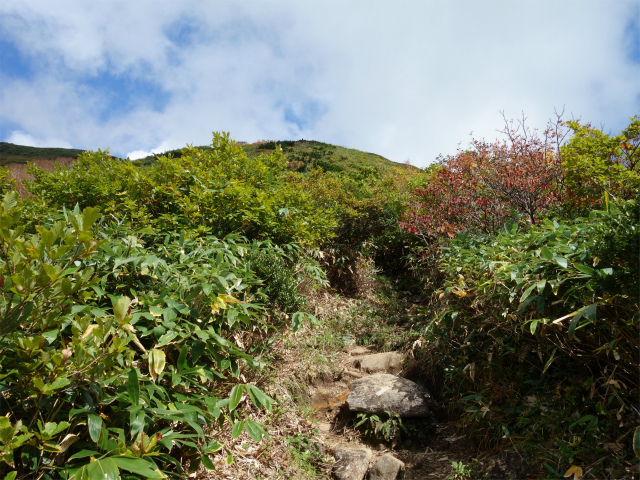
x,y
351,463
383,392
387,467
388,362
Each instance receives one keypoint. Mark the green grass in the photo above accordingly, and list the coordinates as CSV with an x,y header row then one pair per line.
x,y
10,153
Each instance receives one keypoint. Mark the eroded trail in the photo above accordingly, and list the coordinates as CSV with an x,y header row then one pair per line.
x,y
313,428
358,456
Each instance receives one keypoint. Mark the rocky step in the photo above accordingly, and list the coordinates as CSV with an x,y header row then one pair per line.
x,y
383,392
354,463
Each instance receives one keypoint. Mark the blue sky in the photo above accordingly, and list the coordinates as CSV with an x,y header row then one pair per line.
x,y
407,79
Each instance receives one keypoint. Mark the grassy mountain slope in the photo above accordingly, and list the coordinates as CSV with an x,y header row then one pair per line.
x,y
11,153
304,155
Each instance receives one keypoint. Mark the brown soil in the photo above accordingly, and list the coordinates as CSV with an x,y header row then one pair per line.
x,y
19,170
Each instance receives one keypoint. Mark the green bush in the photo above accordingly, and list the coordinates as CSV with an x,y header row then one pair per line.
x,y
281,286
118,348
595,164
536,331
216,191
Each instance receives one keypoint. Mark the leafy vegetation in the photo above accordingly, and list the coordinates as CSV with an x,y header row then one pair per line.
x,y
533,319
139,298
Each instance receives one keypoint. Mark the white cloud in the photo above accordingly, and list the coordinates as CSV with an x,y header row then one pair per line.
x,y
164,146
22,138
404,79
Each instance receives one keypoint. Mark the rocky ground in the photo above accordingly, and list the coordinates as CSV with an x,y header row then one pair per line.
x,y
370,382
321,381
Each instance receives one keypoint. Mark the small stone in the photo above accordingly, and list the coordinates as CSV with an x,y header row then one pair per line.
x,y
388,362
351,463
387,467
383,392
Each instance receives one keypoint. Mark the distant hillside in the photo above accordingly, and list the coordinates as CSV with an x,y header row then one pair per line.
x,y
10,153
303,155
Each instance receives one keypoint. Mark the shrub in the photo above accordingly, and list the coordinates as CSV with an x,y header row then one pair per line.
x,y
216,191
483,188
537,332
595,163
114,355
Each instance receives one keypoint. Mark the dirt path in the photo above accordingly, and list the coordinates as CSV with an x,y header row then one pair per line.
x,y
431,460
309,376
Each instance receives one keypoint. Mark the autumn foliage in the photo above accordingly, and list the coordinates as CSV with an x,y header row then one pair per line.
x,y
485,186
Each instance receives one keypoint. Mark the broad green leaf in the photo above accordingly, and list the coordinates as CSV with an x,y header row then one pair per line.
x,y
212,447
133,386
84,454
560,260
182,358
166,338
121,308
259,398
104,469
533,325
574,324
51,429
546,253
296,321
206,461
590,312
236,430
254,430
57,384
583,268
11,475
541,285
235,396
157,362
137,421
137,466
89,216
527,292
94,423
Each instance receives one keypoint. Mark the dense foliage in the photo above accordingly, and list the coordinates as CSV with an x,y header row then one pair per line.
x,y
116,346
596,163
534,314
215,191
136,299
482,188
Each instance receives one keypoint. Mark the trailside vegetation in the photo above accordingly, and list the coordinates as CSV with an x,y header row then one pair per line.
x,y
138,300
533,321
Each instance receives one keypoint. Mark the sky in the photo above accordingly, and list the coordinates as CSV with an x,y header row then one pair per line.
x,y
408,80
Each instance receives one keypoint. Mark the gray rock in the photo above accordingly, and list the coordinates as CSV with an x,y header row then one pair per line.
x,y
388,362
351,463
387,467
383,392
